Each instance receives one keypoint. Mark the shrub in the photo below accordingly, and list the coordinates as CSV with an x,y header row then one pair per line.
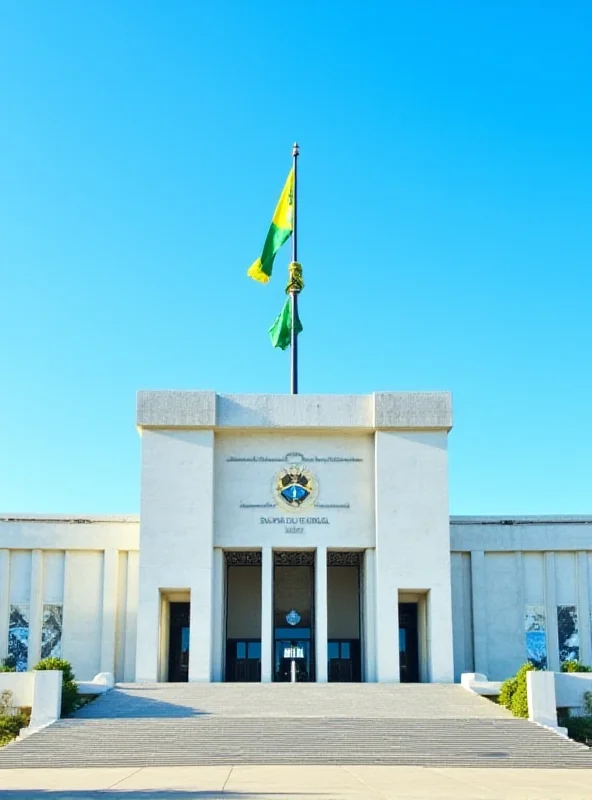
x,y
513,694
5,702
8,665
507,692
579,728
10,726
574,666
70,697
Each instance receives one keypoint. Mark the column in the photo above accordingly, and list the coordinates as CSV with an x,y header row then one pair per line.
x,y
131,615
35,608
369,617
551,613
321,614
479,604
110,580
266,615
584,608
218,638
520,636
4,601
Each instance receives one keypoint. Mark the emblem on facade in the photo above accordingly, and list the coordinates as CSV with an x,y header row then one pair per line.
x,y
293,617
295,487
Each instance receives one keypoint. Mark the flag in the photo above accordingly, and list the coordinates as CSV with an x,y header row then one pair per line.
x,y
281,330
280,231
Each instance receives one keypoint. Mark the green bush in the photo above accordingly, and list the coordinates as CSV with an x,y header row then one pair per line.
x,y
507,692
10,725
574,666
579,728
8,665
70,696
513,692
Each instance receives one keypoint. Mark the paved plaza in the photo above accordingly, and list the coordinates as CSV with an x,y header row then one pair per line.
x,y
295,782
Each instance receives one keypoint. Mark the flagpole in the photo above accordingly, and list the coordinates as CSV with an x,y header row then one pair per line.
x,y
294,294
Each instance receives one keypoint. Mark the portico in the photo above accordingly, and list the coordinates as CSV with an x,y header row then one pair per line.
x,y
299,537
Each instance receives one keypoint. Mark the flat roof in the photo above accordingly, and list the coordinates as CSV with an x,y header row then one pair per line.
x,y
546,519
79,519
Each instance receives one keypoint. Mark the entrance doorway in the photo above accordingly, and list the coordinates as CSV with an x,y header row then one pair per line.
x,y
178,642
343,616
243,616
344,661
293,648
293,591
408,643
243,660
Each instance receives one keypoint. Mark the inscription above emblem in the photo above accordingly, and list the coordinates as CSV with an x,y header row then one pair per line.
x,y
295,487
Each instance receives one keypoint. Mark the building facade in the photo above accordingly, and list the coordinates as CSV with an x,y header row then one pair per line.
x,y
298,537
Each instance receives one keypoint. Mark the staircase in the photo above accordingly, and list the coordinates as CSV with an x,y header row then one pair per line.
x,y
431,725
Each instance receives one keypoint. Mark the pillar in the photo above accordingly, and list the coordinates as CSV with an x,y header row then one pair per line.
x,y
4,601
551,613
267,615
369,617
110,585
35,608
131,615
584,608
479,603
321,614
218,638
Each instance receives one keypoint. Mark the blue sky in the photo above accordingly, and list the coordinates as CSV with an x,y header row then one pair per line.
x,y
445,206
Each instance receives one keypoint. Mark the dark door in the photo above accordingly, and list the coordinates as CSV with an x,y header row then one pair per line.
x,y
344,661
178,642
243,660
408,643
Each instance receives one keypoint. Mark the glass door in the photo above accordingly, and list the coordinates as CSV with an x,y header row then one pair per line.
x,y
344,661
292,648
243,660
294,616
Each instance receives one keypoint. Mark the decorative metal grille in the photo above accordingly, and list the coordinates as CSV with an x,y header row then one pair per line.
x,y
294,559
342,558
290,558
243,558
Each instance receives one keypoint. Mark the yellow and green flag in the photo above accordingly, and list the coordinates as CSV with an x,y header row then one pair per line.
x,y
282,225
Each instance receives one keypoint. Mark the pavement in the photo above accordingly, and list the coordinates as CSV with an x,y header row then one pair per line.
x,y
295,782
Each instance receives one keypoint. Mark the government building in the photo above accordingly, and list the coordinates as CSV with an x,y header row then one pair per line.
x,y
295,537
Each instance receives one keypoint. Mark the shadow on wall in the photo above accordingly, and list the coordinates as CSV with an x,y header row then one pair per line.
x,y
132,705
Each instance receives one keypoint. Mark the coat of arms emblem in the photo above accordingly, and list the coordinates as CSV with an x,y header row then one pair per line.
x,y
295,487
293,617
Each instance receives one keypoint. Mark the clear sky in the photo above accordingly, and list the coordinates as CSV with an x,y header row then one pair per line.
x,y
445,227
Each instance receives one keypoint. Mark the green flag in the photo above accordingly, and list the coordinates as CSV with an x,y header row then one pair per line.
x,y
281,330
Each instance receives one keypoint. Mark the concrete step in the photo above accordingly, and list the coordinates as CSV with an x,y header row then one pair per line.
x,y
366,700
178,725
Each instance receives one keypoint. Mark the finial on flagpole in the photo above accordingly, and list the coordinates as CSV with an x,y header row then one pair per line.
x,y
295,150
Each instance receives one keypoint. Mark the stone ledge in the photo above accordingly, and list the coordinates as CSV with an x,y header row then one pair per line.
x,y
413,410
380,411
176,409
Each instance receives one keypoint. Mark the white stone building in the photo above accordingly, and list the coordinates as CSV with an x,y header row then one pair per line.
x,y
302,535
